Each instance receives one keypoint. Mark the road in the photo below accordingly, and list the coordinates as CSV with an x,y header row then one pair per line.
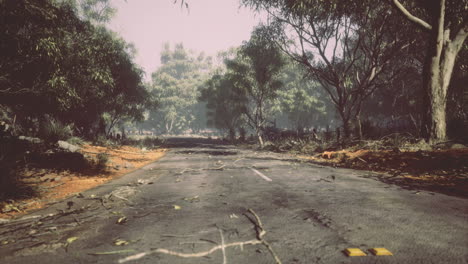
x,y
203,197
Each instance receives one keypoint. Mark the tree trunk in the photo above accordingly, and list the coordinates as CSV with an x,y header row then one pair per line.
x,y
359,126
442,60
260,139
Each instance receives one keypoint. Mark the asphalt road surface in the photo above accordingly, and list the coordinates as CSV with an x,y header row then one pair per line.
x,y
192,206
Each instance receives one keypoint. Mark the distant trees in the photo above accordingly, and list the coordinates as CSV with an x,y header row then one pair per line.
x,y
225,106
55,65
247,87
301,99
258,84
175,87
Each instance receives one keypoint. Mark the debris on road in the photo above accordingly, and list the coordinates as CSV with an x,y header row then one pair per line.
x,y
260,233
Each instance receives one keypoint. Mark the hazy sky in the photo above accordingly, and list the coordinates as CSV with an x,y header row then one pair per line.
x,y
209,26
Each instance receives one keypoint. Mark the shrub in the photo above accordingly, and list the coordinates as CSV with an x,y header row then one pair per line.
x,y
101,161
102,141
52,131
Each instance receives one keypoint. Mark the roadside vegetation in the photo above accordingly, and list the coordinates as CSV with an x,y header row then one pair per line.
x,y
65,82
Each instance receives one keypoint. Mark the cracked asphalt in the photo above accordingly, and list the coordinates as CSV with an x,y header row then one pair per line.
x,y
196,198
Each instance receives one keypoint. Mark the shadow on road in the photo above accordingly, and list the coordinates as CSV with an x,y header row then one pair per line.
x,y
191,142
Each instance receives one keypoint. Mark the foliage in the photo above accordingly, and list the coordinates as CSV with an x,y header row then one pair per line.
x,y
302,100
53,130
347,47
53,63
76,141
225,106
101,161
255,73
175,87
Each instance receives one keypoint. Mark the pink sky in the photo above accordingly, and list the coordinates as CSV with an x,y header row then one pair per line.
x,y
209,26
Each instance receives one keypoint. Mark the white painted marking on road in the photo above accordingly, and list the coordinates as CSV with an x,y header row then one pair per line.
x,y
261,175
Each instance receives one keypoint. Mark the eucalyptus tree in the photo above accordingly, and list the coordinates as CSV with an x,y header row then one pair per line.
x,y
255,72
175,86
446,23
224,104
300,99
54,64
346,46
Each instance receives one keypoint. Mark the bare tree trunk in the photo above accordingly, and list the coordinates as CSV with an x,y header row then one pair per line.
x,y
260,139
442,54
359,125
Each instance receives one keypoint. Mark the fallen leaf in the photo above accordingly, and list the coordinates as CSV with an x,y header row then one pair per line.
x,y
192,199
122,220
176,207
71,239
120,242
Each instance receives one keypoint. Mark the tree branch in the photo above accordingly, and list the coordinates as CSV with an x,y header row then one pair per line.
x,y
412,18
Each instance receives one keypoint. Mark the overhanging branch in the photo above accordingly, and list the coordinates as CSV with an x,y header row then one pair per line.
x,y
412,18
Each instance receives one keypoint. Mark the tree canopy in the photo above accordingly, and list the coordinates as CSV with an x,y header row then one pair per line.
x,y
53,64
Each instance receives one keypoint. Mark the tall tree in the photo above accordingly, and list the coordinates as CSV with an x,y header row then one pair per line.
x,y
175,85
256,74
53,63
447,24
225,105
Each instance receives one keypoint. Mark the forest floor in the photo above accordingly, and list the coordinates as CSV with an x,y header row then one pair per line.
x,y
442,171
49,186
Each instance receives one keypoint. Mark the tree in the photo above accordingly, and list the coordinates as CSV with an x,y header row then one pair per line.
x,y
175,86
300,99
447,25
346,46
255,73
225,105
55,65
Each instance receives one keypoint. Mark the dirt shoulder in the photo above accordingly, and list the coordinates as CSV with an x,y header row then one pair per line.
x,y
443,171
49,185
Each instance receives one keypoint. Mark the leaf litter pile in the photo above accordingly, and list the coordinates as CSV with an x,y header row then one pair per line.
x,y
442,170
51,185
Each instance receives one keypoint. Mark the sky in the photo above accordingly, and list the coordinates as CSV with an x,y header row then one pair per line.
x,y
208,26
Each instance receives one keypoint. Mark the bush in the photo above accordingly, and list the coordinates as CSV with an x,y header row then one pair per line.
x,y
102,141
101,161
52,131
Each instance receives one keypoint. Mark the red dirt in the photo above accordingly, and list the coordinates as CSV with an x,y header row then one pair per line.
x,y
444,171
54,186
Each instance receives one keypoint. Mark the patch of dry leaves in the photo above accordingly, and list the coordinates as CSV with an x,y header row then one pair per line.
x,y
443,171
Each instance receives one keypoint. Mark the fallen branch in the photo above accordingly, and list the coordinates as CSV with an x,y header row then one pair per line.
x,y
260,233
361,159
189,255
259,229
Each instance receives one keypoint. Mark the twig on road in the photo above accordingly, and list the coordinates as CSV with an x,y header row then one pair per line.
x,y
260,232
